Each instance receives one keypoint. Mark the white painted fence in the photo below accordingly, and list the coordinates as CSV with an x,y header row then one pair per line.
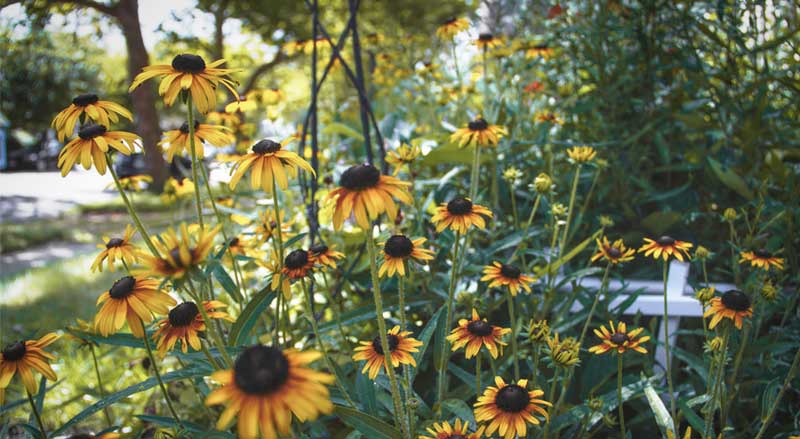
x,y
680,300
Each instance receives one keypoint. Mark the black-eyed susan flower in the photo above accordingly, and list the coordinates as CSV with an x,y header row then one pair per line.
x,y
459,214
405,154
131,299
397,250
478,132
132,182
266,226
222,118
103,112
24,357
664,247
176,189
762,259
452,27
539,50
266,387
269,164
189,72
618,338
733,304
459,430
401,346
476,332
549,117
487,41
297,264
175,141
241,105
184,322
581,154
91,146
365,194
499,274
563,353
179,254
509,408
539,332
325,255
117,249
613,253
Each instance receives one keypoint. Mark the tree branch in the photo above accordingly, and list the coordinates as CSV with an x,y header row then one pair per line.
x,y
280,57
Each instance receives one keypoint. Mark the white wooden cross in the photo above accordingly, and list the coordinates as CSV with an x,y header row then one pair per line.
x,y
680,300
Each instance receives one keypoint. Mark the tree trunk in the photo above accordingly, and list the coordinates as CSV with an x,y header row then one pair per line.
x,y
144,97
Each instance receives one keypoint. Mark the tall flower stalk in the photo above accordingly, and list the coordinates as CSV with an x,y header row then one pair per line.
x,y
161,385
195,178
448,322
668,360
376,295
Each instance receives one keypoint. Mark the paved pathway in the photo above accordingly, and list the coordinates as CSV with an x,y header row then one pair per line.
x,y
32,195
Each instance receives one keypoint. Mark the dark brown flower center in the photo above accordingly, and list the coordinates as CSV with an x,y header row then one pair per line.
x,y
450,20
459,206
510,271
512,398
296,259
266,146
398,246
478,124
360,177
479,328
183,314
175,255
762,253
619,338
486,37
233,242
456,436
318,249
613,252
392,339
736,300
541,47
665,241
188,63
88,132
114,242
82,436
260,370
122,288
85,99
185,127
15,351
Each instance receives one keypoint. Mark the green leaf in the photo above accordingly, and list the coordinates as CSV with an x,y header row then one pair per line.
x,y
294,239
694,419
224,279
460,409
369,426
695,362
425,338
731,179
366,392
365,313
663,418
177,375
553,267
659,222
247,319
342,130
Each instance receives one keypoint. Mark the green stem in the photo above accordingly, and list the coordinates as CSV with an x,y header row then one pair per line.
x,y
475,175
603,288
193,152
131,210
315,327
537,350
478,373
514,206
569,212
552,395
376,295
709,421
401,298
210,328
276,338
513,321
158,375
524,241
100,388
37,415
673,412
448,321
455,63
619,396
787,382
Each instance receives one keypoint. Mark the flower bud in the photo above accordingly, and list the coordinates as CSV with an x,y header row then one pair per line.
x,y
543,183
769,292
539,331
702,253
730,215
704,295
